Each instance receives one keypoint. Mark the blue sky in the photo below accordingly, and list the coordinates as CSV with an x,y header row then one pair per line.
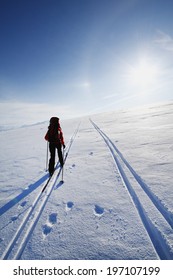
x,y
74,57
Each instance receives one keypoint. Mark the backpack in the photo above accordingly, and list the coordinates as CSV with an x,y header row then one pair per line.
x,y
53,130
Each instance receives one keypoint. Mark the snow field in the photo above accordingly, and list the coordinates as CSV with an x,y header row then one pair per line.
x,y
116,199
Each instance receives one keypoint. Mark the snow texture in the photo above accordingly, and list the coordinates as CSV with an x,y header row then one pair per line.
x,y
115,199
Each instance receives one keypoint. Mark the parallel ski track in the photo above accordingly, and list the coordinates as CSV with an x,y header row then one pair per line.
x,y
162,248
33,216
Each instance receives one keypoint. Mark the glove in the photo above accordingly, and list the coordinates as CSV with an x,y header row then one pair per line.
x,y
64,146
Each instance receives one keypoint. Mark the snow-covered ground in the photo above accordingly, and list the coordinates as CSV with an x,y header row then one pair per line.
x,y
116,199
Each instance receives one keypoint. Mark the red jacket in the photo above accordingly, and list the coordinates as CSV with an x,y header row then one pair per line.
x,y
59,136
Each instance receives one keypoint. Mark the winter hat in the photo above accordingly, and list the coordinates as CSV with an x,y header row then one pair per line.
x,y
54,120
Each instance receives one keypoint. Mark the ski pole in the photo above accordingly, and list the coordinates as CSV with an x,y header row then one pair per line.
x,y
47,157
63,166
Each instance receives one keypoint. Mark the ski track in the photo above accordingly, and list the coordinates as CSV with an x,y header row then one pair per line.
x,y
157,238
34,212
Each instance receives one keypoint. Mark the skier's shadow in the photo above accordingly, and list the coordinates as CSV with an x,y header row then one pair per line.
x,y
25,193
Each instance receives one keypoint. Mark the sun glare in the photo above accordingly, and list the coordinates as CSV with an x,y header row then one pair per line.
x,y
144,74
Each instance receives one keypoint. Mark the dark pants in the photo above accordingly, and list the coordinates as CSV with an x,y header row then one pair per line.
x,y
52,149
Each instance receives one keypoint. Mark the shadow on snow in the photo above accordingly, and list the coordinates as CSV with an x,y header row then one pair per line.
x,y
25,193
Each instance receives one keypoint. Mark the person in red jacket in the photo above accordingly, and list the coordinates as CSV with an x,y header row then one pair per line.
x,y
55,138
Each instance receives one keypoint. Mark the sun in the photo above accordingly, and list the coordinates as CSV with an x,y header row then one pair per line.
x,y
143,74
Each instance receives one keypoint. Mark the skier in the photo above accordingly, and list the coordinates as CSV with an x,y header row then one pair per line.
x,y
55,138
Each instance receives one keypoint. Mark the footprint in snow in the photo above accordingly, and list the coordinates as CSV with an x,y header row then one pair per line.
x,y
72,166
48,226
69,205
53,218
22,204
14,218
98,210
91,153
46,229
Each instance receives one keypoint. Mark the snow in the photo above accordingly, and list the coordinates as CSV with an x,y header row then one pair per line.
x,y
116,198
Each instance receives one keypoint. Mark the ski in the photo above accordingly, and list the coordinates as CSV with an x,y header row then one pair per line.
x,y
46,183
57,165
57,176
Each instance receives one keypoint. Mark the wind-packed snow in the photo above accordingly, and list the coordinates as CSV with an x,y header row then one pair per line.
x,y
116,201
